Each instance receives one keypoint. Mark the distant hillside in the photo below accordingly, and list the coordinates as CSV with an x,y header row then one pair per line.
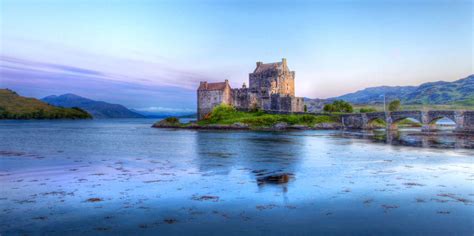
x,y
315,105
376,94
459,92
14,106
97,109
433,93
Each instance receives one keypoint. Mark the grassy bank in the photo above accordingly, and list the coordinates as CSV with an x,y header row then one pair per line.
x,y
227,115
14,106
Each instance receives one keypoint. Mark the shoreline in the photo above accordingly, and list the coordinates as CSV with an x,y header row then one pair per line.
x,y
286,127
276,127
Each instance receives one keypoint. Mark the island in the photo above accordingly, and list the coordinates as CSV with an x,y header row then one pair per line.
x,y
227,117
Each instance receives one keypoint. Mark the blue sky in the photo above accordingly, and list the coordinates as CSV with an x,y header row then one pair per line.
x,y
152,54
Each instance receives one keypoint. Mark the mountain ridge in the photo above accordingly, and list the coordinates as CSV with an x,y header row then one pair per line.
x,y
98,109
438,92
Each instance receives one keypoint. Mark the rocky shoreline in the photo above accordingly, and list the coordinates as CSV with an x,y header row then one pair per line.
x,y
242,126
281,126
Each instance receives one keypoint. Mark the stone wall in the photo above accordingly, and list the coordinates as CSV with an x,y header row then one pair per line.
x,y
468,121
208,99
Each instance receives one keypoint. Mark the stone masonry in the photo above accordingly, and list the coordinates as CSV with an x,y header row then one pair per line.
x,y
464,120
271,88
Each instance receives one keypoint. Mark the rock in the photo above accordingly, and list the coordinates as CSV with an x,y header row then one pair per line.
x,y
299,127
280,125
275,179
240,125
328,126
170,122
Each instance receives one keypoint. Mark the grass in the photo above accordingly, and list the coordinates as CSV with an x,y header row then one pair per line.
x,y
14,106
227,115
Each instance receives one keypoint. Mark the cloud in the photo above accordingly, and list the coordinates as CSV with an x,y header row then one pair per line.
x,y
39,79
28,64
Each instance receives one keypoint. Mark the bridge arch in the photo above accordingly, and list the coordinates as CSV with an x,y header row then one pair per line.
x,y
432,117
397,116
376,122
407,122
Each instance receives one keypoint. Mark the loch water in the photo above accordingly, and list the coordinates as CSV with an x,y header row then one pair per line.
x,y
122,177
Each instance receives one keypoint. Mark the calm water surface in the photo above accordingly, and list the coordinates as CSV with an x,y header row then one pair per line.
x,y
123,177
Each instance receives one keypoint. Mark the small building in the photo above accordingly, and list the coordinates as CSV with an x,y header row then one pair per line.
x,y
271,88
211,95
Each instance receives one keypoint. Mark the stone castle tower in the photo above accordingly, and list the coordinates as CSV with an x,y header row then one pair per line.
x,y
271,88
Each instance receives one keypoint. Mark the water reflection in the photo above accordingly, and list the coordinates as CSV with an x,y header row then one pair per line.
x,y
270,158
413,138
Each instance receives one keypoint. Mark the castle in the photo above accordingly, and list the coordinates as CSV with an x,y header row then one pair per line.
x,y
271,88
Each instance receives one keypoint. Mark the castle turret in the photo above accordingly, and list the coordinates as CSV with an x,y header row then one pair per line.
x,y
202,85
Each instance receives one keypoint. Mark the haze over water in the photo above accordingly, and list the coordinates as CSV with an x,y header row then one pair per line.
x,y
121,176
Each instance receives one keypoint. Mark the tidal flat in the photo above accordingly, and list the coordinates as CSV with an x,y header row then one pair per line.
x,y
123,177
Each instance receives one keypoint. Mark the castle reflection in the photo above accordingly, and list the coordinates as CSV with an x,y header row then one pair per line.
x,y
271,158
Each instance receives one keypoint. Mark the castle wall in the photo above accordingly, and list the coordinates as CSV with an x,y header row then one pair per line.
x,y
286,103
208,99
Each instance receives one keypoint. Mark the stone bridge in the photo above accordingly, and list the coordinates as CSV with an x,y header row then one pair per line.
x,y
464,119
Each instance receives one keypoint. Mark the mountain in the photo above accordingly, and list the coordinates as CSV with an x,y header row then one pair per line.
x,y
97,109
457,92
14,106
376,94
433,93
316,104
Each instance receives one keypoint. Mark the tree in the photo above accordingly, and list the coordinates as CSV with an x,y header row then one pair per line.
x,y
339,106
394,105
305,108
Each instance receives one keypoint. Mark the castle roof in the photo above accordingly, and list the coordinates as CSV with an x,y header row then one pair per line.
x,y
212,86
268,67
274,66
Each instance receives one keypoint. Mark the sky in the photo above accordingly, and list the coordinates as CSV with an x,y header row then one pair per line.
x,y
151,54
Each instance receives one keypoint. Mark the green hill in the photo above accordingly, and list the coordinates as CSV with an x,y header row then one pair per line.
x,y
459,92
14,106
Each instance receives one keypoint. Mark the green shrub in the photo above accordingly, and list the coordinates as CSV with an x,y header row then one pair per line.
x,y
339,106
172,120
394,105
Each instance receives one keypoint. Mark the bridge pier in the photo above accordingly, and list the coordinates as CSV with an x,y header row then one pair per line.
x,y
428,127
464,122
391,126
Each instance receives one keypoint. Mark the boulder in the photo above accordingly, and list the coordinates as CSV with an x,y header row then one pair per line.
x,y
331,125
239,125
298,127
280,125
170,122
